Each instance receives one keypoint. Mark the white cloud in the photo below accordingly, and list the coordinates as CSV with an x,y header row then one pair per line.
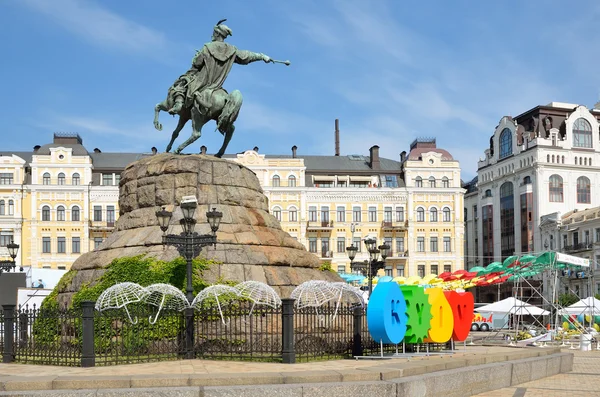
x,y
99,25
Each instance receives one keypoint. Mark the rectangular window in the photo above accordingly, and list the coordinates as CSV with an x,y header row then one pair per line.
x,y
433,244
400,270
597,235
565,241
391,181
389,271
421,271
341,214
448,268
359,184
372,214
434,269
586,236
387,214
341,244
356,214
46,245
341,269
117,179
6,178
97,242
356,241
312,245
400,246
75,245
312,214
110,214
293,215
61,246
447,247
325,247
399,214
324,214
97,213
6,238
107,179
420,244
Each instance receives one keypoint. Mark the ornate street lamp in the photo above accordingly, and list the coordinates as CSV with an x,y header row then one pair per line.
x,y
369,268
7,266
189,243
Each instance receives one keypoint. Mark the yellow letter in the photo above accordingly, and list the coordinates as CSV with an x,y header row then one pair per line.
x,y
442,319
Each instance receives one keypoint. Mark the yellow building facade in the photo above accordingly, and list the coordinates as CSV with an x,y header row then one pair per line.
x,y
65,203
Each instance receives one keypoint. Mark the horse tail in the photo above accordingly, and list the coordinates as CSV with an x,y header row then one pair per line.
x,y
230,111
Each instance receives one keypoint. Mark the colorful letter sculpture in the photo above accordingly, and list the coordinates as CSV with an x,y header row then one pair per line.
x,y
387,321
415,314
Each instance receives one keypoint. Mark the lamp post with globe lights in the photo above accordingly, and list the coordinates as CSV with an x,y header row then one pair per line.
x,y
369,268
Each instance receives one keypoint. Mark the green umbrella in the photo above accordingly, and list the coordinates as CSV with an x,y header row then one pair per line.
x,y
527,258
476,269
509,260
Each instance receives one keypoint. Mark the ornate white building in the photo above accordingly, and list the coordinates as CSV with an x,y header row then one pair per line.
x,y
540,165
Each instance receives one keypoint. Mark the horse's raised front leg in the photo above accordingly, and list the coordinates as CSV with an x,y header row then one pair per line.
x,y
198,121
183,118
159,106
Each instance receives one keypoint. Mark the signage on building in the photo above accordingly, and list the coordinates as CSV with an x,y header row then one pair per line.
x,y
414,314
572,260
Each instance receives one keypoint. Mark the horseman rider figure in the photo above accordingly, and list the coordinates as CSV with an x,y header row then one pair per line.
x,y
210,67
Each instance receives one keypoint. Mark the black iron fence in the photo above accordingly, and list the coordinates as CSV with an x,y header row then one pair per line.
x,y
237,331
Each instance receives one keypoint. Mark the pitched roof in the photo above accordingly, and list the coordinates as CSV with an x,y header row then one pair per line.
x,y
115,160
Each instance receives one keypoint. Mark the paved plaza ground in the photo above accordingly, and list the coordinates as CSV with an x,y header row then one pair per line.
x,y
584,380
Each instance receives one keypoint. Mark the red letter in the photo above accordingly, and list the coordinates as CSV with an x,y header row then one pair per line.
x,y
462,304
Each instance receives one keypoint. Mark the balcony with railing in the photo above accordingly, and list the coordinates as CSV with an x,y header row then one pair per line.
x,y
397,255
319,225
578,247
101,226
326,254
401,225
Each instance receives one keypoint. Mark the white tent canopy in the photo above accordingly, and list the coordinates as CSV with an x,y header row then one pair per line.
x,y
513,306
588,305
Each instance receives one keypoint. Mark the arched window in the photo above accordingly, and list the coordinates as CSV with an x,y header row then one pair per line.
x,y
488,193
61,178
60,213
75,214
45,213
527,180
2,207
580,161
583,190
11,207
553,158
431,181
292,181
563,159
293,214
582,133
277,213
585,161
445,182
575,160
433,215
418,182
420,214
556,189
76,179
505,143
46,178
276,181
446,214
548,158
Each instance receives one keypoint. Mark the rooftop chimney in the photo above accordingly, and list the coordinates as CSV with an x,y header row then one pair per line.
x,y
255,149
375,163
403,157
294,148
203,149
36,148
337,137
154,150
96,150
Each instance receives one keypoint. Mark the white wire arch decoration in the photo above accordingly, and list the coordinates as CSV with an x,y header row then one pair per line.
x,y
165,296
119,296
214,291
259,293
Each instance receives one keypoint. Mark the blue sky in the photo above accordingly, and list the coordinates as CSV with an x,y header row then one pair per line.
x,y
391,71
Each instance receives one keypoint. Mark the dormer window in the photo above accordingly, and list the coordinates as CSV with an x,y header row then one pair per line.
x,y
505,143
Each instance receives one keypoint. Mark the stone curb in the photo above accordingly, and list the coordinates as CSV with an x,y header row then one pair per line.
x,y
523,366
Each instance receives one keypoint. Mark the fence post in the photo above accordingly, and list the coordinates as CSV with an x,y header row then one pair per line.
x,y
288,352
8,354
189,333
357,348
88,354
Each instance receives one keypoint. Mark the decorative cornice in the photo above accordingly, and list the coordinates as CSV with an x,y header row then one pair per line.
x,y
352,197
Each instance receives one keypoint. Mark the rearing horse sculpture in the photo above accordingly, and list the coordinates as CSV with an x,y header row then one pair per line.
x,y
199,95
